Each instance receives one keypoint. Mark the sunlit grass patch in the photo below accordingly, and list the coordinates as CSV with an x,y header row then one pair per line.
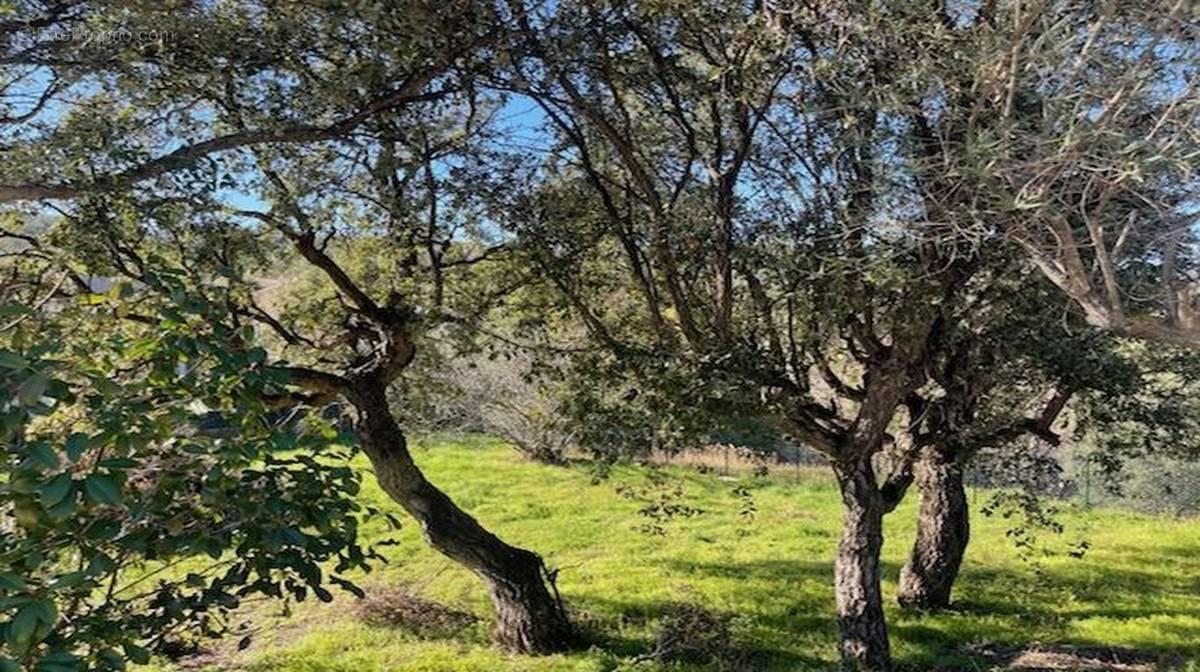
x,y
771,570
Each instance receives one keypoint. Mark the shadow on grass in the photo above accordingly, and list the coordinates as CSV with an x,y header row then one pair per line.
x,y
1116,593
775,570
1012,607
1017,607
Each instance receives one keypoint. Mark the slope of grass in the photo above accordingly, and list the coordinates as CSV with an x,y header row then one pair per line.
x,y
1138,586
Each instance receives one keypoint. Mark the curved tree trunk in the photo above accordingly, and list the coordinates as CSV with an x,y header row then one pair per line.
x,y
943,529
529,615
862,630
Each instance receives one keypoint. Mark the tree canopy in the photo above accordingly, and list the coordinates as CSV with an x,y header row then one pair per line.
x,y
885,231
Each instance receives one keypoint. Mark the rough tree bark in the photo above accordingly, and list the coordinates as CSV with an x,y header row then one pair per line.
x,y
862,630
943,530
530,617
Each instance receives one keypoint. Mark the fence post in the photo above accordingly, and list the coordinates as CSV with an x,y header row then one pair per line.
x,y
1087,482
974,485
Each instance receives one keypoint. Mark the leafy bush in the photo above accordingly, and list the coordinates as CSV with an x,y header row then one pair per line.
x,y
124,522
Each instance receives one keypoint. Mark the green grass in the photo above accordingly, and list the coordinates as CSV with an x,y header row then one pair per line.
x,y
1138,587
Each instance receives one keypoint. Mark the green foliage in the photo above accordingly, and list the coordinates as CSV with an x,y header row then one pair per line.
x,y
664,401
129,521
751,210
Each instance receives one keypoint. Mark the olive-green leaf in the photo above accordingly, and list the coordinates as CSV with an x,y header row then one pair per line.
x,y
76,444
112,659
11,360
59,661
33,388
10,581
56,490
62,510
47,611
102,490
100,564
43,454
137,654
23,626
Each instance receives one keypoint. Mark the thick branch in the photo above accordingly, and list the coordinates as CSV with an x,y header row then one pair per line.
x,y
412,90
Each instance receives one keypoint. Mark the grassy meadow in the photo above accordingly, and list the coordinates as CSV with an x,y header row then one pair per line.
x,y
768,570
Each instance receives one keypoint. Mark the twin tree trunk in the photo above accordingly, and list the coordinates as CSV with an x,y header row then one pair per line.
x,y
530,617
862,630
927,578
943,530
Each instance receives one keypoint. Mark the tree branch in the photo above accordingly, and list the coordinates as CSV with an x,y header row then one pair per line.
x,y
411,91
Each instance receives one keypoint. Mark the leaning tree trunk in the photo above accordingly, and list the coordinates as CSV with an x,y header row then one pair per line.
x,y
530,617
943,529
862,631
